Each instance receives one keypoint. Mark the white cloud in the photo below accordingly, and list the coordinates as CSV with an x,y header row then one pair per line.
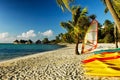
x,y
27,34
47,33
4,35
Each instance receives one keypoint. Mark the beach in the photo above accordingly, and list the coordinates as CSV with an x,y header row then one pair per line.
x,y
60,64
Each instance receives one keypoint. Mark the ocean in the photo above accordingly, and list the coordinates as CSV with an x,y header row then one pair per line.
x,y
10,51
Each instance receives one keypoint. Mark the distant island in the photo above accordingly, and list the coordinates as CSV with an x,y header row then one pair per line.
x,y
26,42
44,41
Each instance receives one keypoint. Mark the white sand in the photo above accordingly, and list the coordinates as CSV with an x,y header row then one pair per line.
x,y
61,64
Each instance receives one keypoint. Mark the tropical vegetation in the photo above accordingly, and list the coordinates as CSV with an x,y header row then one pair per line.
x,y
113,7
23,41
77,26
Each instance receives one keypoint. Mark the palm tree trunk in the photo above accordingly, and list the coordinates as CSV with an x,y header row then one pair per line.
x,y
76,47
113,13
116,36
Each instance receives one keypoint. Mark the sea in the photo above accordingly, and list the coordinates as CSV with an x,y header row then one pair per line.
x,y
10,51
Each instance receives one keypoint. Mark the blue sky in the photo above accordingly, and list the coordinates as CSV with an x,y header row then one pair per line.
x,y
37,19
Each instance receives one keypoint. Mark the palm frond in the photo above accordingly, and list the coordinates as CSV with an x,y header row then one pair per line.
x,y
116,6
61,4
67,25
106,10
84,11
64,4
76,10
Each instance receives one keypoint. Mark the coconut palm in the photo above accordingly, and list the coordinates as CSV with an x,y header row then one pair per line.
x,y
113,7
116,5
76,26
116,36
108,31
79,20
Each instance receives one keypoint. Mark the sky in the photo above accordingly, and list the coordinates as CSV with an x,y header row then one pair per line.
x,y
37,19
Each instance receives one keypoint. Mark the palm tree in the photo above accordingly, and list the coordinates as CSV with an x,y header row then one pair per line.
x,y
116,36
114,10
111,8
108,31
75,28
116,5
79,20
67,37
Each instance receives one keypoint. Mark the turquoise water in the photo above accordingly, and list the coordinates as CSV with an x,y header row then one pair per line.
x,y
107,50
9,51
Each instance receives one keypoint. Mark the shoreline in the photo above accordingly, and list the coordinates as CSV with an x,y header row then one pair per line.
x,y
28,56
100,46
31,55
60,64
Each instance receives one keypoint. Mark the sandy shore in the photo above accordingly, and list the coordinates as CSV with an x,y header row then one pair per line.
x,y
61,64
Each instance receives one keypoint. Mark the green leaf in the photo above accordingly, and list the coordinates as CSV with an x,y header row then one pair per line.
x,y
106,10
